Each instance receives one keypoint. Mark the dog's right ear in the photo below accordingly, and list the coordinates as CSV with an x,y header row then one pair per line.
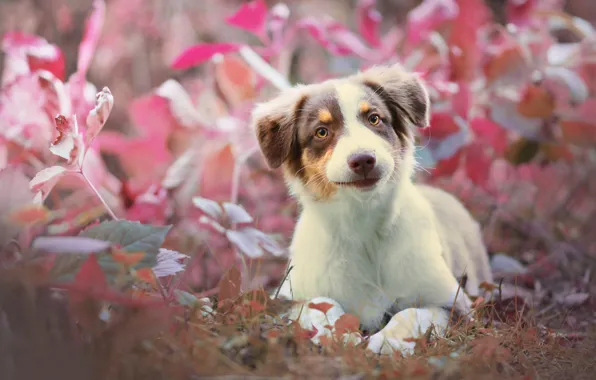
x,y
274,123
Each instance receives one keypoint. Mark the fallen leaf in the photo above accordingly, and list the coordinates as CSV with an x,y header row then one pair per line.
x,y
323,307
347,323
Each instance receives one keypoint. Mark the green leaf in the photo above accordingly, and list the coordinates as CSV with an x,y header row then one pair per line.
x,y
186,298
130,236
522,151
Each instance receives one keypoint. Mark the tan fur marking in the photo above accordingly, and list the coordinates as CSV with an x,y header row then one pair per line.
x,y
315,179
364,106
325,116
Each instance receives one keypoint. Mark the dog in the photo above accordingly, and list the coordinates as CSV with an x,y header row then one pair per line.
x,y
368,239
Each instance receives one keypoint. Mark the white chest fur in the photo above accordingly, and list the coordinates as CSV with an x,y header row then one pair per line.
x,y
371,255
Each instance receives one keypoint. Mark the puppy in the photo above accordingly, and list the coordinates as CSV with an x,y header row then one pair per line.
x,y
367,237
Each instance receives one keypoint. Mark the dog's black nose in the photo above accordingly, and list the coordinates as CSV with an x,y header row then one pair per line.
x,y
362,163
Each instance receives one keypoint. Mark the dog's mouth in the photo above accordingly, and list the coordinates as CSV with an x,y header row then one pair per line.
x,y
362,184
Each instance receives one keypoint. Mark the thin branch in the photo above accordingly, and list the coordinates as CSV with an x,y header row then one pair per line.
x,y
264,69
98,195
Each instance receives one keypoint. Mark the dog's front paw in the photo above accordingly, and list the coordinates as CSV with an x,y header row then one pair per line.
x,y
317,314
408,323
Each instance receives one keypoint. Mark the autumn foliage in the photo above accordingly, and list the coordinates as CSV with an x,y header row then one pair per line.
x,y
138,229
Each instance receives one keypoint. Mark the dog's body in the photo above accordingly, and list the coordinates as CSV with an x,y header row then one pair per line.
x,y
367,236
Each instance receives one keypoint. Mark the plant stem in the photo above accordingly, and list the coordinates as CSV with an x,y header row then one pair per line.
x,y
264,69
98,195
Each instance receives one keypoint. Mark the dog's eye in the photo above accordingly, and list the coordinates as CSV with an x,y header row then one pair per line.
x,y
321,133
374,119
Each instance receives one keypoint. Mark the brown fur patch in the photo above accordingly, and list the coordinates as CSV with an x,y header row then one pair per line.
x,y
364,106
325,116
314,177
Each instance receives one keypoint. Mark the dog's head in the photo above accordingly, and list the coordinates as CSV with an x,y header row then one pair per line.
x,y
344,135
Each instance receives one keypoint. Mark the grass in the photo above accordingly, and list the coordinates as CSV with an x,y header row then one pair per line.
x,y
246,338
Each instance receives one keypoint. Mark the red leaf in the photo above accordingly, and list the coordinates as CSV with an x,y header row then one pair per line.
x,y
323,307
250,16
462,100
490,133
505,60
229,285
90,277
302,333
135,153
369,20
200,53
91,36
448,166
578,132
441,126
464,53
35,52
347,323
55,66
536,102
152,115
519,12
146,275
478,163
235,79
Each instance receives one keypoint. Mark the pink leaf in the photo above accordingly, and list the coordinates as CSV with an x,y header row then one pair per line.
x,y
519,12
217,173
70,244
27,53
427,16
135,153
490,133
46,179
334,37
368,22
478,164
168,263
91,37
98,116
68,144
236,213
200,53
181,106
209,207
246,242
250,16
153,116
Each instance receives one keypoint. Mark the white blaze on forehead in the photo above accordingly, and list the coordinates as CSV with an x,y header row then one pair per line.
x,y
349,96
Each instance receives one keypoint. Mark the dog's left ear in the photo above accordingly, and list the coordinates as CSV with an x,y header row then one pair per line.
x,y
275,124
402,90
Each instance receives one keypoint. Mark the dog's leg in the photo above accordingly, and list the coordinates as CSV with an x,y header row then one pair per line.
x,y
408,323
